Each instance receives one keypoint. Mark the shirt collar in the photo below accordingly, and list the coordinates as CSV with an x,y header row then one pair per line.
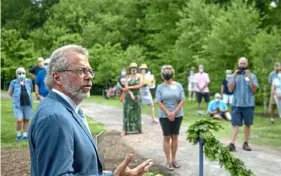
x,y
67,99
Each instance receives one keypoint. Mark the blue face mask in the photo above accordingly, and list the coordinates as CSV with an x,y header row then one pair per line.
x,y
21,77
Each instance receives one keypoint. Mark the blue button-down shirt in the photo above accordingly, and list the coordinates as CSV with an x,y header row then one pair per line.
x,y
15,88
243,95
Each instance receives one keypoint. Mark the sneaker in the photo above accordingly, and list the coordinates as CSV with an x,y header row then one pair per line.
x,y
18,138
246,147
199,113
272,121
25,138
231,147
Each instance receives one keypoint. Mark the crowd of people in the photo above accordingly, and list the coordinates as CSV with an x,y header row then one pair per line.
x,y
60,140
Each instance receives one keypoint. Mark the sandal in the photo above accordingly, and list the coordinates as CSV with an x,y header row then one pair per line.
x,y
176,164
170,166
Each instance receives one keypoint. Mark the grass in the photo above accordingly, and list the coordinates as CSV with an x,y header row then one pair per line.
x,y
8,132
263,133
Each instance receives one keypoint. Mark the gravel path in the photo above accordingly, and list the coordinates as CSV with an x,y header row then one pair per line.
x,y
262,161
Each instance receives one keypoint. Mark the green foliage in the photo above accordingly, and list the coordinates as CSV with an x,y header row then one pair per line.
x,y
214,149
182,33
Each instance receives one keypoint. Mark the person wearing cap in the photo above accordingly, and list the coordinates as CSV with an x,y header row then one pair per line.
x,y
218,109
36,69
40,86
191,84
226,94
132,101
145,92
20,90
170,99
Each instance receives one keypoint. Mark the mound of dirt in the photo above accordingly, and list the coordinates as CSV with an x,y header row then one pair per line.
x,y
16,162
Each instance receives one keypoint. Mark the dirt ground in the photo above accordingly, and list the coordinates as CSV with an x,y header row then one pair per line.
x,y
16,162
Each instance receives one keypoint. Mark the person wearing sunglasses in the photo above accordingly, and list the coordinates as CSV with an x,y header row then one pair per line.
x,y
20,90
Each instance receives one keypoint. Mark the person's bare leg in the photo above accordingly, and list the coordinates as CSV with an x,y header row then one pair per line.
x,y
174,147
228,116
272,107
151,108
167,148
25,125
235,130
247,131
19,124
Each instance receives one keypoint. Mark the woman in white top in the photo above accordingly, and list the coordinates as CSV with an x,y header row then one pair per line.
x,y
276,91
145,92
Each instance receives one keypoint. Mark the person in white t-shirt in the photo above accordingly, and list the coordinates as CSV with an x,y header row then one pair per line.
x,y
276,92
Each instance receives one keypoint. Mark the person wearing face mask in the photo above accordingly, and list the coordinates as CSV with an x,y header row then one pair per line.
x,y
227,96
191,84
132,101
244,85
20,90
202,81
119,85
170,99
272,103
276,91
145,92
218,109
41,89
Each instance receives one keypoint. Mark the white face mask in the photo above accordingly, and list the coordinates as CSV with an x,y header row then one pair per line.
x,y
133,70
217,99
279,75
201,70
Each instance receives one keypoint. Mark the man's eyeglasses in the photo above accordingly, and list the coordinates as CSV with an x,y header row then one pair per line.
x,y
81,72
21,73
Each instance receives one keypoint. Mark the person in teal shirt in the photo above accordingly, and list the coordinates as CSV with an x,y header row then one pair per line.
x,y
218,109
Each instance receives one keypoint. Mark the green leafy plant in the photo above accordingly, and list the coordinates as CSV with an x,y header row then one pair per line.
x,y
214,149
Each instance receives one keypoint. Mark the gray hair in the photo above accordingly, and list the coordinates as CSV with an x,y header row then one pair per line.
x,y
20,69
60,61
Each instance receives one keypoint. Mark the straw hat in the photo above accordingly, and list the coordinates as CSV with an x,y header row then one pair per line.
x,y
133,65
143,66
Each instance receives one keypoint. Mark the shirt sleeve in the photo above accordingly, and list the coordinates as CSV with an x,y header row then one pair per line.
x,y
32,70
224,106
38,79
182,96
270,78
255,80
158,95
54,146
11,86
207,78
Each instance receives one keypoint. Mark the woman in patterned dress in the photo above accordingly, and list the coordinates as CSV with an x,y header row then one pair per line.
x,y
132,102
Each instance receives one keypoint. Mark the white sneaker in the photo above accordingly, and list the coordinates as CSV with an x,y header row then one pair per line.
x,y
199,113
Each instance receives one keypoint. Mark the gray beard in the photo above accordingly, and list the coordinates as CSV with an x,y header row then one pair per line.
x,y
77,93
